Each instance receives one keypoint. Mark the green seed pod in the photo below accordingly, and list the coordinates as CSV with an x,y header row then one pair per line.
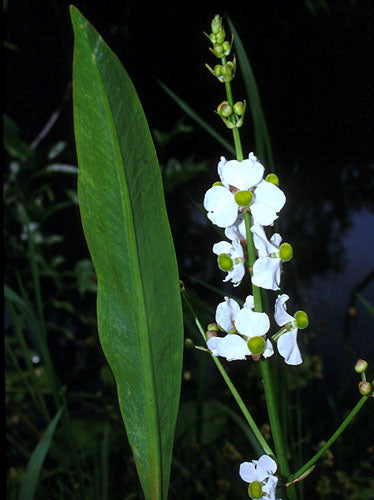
x,y
285,252
255,490
273,179
224,109
361,366
216,23
225,262
243,198
256,345
365,388
302,319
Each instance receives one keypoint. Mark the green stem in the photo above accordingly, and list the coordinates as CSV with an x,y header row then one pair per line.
x,y
252,424
276,431
332,439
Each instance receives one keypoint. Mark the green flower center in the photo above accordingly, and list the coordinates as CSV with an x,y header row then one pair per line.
x,y
225,262
302,319
255,490
256,345
285,252
218,183
243,198
273,179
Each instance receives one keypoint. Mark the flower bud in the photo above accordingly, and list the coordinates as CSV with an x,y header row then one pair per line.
x,y
216,24
218,70
212,327
243,198
224,109
285,252
228,71
273,179
255,490
361,365
220,36
188,344
302,319
256,345
226,47
225,262
239,108
365,388
217,50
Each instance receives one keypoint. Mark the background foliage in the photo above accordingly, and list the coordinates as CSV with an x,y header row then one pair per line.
x,y
312,63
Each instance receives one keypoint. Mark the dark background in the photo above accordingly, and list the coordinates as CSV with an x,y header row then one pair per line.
x,y
313,67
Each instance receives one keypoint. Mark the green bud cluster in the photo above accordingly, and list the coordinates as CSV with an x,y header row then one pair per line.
x,y
223,72
232,116
221,46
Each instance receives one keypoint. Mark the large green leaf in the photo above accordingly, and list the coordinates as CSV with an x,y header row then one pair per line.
x,y
127,231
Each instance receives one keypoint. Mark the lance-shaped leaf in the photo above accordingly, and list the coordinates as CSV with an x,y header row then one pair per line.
x,y
127,231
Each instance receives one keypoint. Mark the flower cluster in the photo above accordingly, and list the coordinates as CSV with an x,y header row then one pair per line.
x,y
242,188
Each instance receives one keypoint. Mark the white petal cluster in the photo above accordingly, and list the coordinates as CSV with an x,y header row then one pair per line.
x,y
261,471
242,188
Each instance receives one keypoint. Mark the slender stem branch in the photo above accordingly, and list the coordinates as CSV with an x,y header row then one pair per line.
x,y
252,424
333,438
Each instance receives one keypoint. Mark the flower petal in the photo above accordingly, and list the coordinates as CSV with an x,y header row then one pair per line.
x,y
236,274
226,313
269,350
268,200
252,324
242,175
232,347
263,246
247,472
281,315
288,348
222,247
220,205
237,230
267,463
266,273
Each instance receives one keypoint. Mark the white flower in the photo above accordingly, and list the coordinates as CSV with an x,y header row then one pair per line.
x,y
260,476
243,186
267,268
287,342
251,325
230,259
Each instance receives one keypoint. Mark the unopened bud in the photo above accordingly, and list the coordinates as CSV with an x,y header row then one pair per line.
x,y
218,70
365,388
216,23
217,50
273,179
224,109
361,365
226,47
220,36
212,327
188,344
302,319
239,108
